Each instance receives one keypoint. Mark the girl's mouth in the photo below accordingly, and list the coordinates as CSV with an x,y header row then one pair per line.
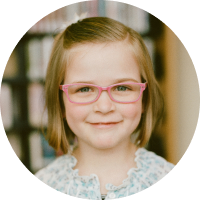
x,y
104,124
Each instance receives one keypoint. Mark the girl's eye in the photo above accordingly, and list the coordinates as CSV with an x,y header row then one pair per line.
x,y
121,88
85,89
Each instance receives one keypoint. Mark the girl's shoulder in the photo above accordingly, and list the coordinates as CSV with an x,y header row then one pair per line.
x,y
150,163
62,165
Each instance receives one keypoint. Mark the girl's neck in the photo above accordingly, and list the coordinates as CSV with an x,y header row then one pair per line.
x,y
100,161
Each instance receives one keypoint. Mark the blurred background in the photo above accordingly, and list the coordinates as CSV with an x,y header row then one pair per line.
x,y
24,76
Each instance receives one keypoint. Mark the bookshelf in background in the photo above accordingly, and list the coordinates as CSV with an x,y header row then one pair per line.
x,y
23,80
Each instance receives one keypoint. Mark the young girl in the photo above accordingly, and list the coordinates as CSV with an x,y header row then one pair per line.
x,y
100,89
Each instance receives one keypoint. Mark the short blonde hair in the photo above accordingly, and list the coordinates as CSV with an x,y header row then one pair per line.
x,y
97,30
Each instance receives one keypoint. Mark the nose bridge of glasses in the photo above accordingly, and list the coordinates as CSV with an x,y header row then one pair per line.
x,y
104,88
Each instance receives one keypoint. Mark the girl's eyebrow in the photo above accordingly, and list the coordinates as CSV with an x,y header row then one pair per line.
x,y
121,80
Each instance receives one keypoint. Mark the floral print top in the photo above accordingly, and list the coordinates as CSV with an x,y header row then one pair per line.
x,y
61,176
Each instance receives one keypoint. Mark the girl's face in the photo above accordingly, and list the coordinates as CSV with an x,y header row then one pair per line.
x,y
102,124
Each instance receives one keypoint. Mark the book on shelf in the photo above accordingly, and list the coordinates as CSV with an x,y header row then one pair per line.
x,y
101,8
83,7
122,13
92,8
35,58
41,154
111,9
37,116
46,46
38,55
138,19
6,106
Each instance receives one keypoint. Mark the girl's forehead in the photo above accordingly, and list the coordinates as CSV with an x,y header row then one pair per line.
x,y
105,50
101,63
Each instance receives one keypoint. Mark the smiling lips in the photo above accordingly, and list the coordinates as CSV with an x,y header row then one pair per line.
x,y
104,124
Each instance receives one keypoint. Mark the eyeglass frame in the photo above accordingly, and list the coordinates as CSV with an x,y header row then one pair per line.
x,y
65,89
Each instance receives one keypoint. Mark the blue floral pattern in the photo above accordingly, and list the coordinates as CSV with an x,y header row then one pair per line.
x,y
61,176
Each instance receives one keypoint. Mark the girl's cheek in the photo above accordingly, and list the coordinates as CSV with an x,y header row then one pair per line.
x,y
132,110
75,111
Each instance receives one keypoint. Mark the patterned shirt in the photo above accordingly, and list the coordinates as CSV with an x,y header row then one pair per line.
x,y
61,176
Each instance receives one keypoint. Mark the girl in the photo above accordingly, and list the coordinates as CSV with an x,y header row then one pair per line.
x,y
100,88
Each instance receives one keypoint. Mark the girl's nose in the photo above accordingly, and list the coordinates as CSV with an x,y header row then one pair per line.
x,y
104,104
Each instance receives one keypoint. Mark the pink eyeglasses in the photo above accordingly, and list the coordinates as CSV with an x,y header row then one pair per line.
x,y
82,93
